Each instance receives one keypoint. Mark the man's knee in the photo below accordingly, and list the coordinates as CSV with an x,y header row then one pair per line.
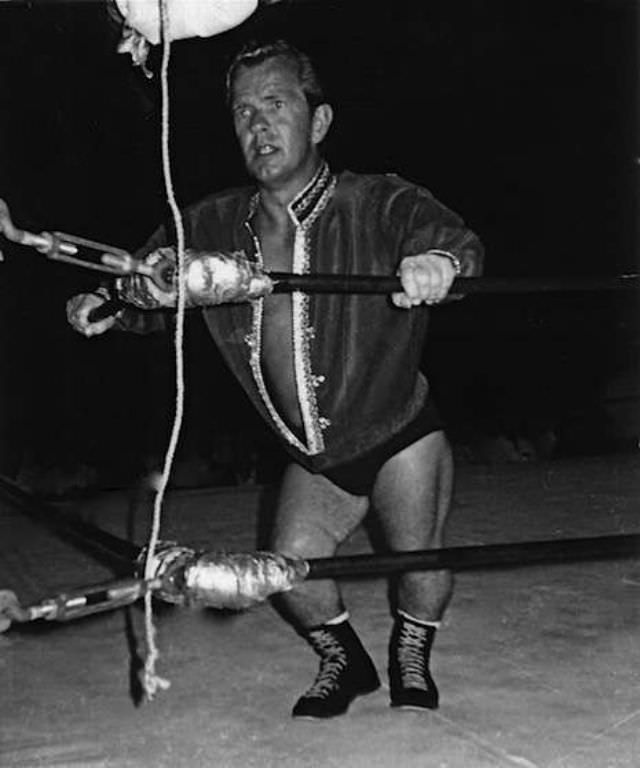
x,y
306,541
313,516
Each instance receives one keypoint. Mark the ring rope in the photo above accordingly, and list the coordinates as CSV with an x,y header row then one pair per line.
x,y
151,681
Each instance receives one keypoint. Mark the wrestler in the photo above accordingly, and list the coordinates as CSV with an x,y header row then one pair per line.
x,y
337,377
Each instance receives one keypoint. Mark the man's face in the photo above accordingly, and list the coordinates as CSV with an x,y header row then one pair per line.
x,y
273,123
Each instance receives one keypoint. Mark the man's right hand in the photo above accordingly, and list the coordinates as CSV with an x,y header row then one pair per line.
x,y
80,307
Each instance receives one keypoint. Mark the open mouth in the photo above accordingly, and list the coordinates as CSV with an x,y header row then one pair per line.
x,y
264,150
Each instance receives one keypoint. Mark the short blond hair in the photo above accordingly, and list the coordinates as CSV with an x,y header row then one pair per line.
x,y
253,54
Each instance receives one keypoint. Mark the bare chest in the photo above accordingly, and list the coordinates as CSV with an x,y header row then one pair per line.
x,y
277,327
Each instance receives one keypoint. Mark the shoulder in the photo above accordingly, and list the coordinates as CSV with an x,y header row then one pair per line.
x,y
378,185
389,198
381,195
225,202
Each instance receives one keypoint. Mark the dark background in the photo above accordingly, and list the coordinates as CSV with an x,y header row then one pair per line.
x,y
518,114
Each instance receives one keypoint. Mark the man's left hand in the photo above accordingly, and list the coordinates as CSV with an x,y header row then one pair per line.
x,y
426,278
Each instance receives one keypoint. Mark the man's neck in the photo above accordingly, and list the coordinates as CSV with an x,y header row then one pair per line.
x,y
275,201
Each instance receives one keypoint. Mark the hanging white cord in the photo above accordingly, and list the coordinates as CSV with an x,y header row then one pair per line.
x,y
151,681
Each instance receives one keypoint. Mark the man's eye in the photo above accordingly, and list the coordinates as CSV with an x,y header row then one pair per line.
x,y
278,103
241,113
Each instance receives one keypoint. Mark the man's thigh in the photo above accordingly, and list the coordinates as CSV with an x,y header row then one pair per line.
x,y
314,515
412,493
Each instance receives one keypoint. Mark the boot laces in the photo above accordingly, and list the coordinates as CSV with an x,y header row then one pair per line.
x,y
333,662
412,657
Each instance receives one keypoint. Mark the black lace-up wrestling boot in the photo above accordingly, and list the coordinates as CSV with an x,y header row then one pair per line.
x,y
346,671
410,682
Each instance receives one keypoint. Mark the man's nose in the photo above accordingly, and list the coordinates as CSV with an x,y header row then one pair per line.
x,y
259,121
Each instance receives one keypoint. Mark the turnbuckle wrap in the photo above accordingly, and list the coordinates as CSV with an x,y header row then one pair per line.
x,y
230,580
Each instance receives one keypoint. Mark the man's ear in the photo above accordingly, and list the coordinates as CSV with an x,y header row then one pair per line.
x,y
320,122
